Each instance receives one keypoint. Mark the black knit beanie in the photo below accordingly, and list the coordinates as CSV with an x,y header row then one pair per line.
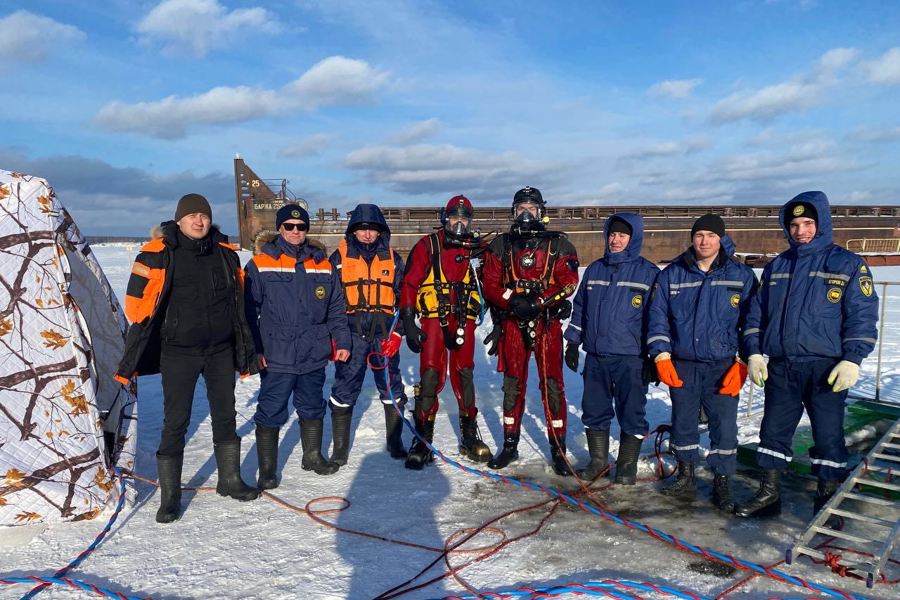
x,y
190,204
796,210
709,222
617,225
291,211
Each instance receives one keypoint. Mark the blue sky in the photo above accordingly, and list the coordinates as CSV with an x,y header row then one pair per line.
x,y
126,105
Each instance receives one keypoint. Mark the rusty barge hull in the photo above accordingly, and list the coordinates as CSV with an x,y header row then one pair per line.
x,y
755,229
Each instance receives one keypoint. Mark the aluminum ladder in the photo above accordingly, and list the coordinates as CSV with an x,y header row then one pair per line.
x,y
870,507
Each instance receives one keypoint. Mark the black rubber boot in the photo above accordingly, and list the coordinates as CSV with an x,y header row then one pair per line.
x,y
228,463
169,469
507,454
721,496
419,454
627,460
825,489
598,448
558,454
340,433
471,446
267,456
685,485
311,442
393,429
767,501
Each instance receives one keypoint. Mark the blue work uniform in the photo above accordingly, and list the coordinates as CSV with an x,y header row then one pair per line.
x,y
697,317
609,321
296,311
816,306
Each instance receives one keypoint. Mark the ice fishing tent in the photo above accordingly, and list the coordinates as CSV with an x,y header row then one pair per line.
x,y
64,421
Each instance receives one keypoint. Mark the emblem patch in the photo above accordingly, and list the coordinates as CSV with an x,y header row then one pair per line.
x,y
798,210
866,286
863,269
295,213
735,300
834,295
637,301
320,292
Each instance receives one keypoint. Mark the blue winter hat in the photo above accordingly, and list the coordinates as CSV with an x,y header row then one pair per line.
x,y
291,211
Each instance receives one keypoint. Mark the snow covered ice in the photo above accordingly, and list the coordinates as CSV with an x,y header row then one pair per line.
x,y
226,549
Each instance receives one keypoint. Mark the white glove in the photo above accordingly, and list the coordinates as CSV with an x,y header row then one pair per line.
x,y
843,376
757,369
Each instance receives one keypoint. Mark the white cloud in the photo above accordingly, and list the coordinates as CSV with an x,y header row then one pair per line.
x,y
309,146
885,69
198,26
797,94
669,148
890,134
30,38
441,169
676,88
416,132
335,80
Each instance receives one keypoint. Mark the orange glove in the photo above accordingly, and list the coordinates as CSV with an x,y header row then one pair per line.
x,y
734,379
666,370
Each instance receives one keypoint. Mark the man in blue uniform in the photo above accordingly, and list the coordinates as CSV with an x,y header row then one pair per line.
x,y
371,273
609,320
699,307
297,313
815,317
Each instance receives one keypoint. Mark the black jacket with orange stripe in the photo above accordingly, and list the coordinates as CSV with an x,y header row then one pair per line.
x,y
147,297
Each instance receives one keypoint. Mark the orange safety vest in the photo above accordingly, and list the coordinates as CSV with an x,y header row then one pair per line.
x,y
368,287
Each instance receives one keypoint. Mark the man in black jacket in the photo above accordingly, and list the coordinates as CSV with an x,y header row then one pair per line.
x,y
185,304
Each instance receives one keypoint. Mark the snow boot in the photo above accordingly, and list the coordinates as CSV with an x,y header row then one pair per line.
x,y
627,460
419,453
767,501
267,456
507,454
721,495
471,446
340,433
598,448
169,469
311,442
685,486
558,454
393,429
228,463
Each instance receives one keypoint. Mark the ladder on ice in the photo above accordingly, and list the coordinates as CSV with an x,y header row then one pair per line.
x,y
869,504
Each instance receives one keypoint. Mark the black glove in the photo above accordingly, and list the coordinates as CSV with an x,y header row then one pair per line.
x,y
492,341
525,308
572,356
648,372
414,334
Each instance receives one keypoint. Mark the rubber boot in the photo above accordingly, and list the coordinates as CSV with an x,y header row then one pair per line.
x,y
508,453
267,456
471,446
825,489
598,448
721,496
627,460
228,463
419,453
393,428
340,433
169,469
767,501
311,442
685,485
558,454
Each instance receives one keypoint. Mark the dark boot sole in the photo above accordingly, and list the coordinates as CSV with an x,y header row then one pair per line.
x,y
495,465
240,497
267,484
417,464
339,460
475,455
769,510
320,469
167,517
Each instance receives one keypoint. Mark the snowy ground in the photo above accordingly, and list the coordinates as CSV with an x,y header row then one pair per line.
x,y
225,549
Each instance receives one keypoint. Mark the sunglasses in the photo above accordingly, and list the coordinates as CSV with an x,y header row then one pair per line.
x,y
293,226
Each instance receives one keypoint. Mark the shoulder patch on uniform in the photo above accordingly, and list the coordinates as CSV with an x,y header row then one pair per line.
x,y
866,286
864,269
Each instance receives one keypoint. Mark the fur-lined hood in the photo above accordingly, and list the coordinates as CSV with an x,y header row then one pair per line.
x,y
266,236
